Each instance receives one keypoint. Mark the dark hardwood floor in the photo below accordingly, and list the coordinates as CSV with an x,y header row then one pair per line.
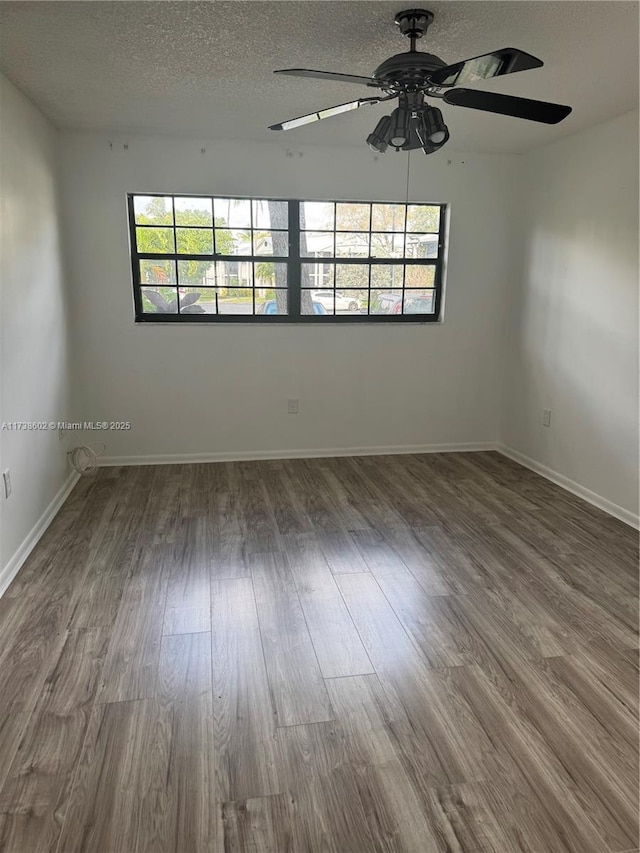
x,y
403,653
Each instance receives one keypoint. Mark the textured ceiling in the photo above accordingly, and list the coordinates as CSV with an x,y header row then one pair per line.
x,y
204,68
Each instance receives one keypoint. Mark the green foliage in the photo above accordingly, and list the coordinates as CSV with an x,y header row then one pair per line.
x,y
423,218
155,213
156,240
191,241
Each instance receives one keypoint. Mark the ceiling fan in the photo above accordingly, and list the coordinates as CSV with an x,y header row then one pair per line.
x,y
414,76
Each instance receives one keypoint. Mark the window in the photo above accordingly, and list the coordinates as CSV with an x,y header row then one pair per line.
x,y
211,259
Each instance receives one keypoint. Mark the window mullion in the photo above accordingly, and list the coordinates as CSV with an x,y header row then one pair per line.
x,y
294,266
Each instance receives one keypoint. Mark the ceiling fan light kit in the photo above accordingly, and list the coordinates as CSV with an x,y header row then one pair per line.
x,y
377,139
414,76
400,126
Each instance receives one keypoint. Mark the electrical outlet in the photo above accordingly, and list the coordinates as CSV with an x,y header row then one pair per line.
x,y
546,417
6,479
292,406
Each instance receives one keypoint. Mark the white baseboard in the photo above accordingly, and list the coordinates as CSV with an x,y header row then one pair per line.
x,y
604,504
257,455
11,569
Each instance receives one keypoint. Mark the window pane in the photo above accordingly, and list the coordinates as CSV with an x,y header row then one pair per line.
x,y
387,217
234,274
386,302
417,275
194,241
349,301
317,275
233,242
194,211
271,243
205,303
156,240
316,244
325,298
270,214
235,300
190,300
196,273
157,272
153,210
352,275
272,302
269,275
354,245
159,300
419,302
317,302
234,212
317,215
387,245
422,246
423,217
387,275
352,217
363,299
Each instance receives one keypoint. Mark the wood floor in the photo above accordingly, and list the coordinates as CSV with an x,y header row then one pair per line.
x,y
407,653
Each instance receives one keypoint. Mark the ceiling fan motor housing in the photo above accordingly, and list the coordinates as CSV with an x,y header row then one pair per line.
x,y
407,71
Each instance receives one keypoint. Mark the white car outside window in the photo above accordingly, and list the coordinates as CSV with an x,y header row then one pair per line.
x,y
342,303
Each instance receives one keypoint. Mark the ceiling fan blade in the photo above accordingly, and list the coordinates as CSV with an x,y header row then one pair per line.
x,y
505,61
330,111
329,75
507,105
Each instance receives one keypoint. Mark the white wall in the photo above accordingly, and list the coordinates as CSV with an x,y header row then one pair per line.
x,y
223,389
34,383
573,342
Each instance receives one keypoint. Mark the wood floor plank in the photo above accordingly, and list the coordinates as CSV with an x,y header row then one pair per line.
x,y
188,598
429,620
187,821
285,503
24,661
435,723
407,544
260,530
341,552
331,802
129,744
131,665
535,772
338,647
58,569
257,825
295,680
243,716
315,500
379,554
228,557
399,821
11,612
158,757
34,797
98,599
